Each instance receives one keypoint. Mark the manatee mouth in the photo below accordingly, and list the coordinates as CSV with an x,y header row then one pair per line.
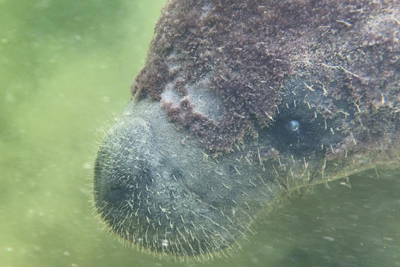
x,y
166,197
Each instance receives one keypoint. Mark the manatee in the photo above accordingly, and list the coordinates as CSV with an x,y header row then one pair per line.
x,y
239,105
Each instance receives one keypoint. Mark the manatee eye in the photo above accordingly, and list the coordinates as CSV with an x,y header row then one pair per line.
x,y
293,125
296,131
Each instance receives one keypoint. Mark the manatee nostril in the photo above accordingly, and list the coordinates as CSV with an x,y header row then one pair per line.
x,y
117,195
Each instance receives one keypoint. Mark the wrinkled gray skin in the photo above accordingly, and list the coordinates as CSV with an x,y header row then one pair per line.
x,y
156,185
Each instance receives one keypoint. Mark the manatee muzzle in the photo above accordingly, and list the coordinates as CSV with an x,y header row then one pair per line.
x,y
167,197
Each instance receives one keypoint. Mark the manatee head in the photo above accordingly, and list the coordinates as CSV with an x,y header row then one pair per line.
x,y
241,103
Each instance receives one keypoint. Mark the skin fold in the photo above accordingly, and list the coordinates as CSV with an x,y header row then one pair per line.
x,y
240,104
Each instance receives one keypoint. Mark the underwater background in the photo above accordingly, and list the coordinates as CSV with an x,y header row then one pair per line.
x,y
65,73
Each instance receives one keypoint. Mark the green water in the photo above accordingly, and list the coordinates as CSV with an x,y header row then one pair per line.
x,y
65,72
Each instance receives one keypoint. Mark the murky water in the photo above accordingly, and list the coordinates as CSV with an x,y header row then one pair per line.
x,y
65,72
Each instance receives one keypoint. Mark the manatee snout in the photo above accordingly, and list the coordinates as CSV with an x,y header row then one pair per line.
x,y
164,196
